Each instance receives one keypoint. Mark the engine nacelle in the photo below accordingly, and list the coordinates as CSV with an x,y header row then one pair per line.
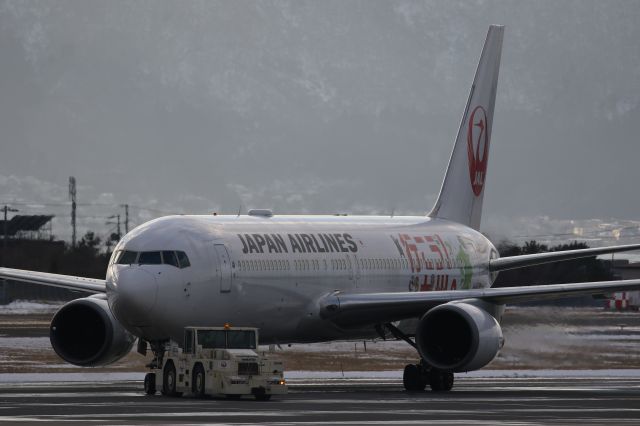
x,y
84,332
458,336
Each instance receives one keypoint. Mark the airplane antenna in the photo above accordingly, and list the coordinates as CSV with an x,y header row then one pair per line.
x,y
393,211
239,209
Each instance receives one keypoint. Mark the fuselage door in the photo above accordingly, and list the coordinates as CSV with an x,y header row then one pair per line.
x,y
224,270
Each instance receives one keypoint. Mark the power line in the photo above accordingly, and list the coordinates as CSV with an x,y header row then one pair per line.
x,y
68,204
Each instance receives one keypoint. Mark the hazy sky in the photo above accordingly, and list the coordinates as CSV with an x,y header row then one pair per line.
x,y
314,106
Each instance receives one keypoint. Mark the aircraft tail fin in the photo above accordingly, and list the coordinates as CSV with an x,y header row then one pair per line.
x,y
460,198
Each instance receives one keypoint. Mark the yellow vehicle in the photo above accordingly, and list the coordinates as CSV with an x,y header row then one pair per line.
x,y
217,361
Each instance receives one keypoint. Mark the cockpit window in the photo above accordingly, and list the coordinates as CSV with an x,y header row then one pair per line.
x,y
169,258
127,257
183,259
150,258
177,259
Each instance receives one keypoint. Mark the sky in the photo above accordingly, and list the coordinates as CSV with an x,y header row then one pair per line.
x,y
313,107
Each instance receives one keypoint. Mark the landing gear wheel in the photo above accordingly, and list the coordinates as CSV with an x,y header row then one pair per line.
x,y
198,381
150,384
413,378
440,381
263,397
169,380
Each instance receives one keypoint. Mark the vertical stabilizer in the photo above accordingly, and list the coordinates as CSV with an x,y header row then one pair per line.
x,y
460,198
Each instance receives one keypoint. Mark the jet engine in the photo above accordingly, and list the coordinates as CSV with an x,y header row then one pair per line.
x,y
458,336
84,332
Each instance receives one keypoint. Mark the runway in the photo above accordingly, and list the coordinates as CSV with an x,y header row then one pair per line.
x,y
481,400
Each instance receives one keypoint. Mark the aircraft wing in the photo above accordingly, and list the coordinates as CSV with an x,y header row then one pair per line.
x,y
514,262
353,309
70,282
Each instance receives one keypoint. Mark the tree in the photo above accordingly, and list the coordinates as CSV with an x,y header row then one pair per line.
x,y
570,271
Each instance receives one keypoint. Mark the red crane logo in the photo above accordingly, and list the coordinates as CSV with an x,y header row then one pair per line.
x,y
477,148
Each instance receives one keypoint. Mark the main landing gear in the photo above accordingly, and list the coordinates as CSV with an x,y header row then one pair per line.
x,y
416,376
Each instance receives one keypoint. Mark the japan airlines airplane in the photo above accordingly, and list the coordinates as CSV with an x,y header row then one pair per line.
x,y
424,279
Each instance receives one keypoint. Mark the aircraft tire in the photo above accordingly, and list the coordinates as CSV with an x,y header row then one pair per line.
x,y
198,381
169,380
413,378
150,384
440,381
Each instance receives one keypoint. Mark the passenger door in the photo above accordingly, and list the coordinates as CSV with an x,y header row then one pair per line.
x,y
224,268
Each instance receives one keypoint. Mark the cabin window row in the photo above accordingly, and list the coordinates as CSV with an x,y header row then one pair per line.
x,y
323,264
384,263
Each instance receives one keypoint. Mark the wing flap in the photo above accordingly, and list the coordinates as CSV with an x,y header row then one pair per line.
x,y
90,285
515,262
353,309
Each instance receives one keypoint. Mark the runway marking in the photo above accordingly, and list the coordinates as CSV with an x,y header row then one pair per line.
x,y
481,401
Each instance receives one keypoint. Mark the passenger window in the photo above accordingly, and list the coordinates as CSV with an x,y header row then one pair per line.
x,y
169,258
127,257
183,259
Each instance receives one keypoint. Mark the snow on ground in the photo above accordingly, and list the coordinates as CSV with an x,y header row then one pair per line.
x,y
25,307
23,343
69,377
345,346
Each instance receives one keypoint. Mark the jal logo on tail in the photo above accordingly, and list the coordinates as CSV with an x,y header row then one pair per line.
x,y
477,148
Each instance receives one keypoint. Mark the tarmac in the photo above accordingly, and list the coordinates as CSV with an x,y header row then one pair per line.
x,y
532,400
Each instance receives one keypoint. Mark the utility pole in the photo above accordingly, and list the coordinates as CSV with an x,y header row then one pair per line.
x,y
117,217
72,197
5,209
126,218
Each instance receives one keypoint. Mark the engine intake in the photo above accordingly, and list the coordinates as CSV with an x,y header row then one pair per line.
x,y
458,336
84,332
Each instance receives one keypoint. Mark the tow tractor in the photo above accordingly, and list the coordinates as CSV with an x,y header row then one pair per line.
x,y
217,361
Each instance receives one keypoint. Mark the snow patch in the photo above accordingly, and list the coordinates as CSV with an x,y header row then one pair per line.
x,y
26,307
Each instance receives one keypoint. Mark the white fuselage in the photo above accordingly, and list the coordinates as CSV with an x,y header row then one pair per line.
x,y
270,272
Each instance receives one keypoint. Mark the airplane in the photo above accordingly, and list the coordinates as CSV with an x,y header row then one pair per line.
x,y
422,279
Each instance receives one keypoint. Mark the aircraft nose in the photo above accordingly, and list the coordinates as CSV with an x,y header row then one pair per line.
x,y
136,295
